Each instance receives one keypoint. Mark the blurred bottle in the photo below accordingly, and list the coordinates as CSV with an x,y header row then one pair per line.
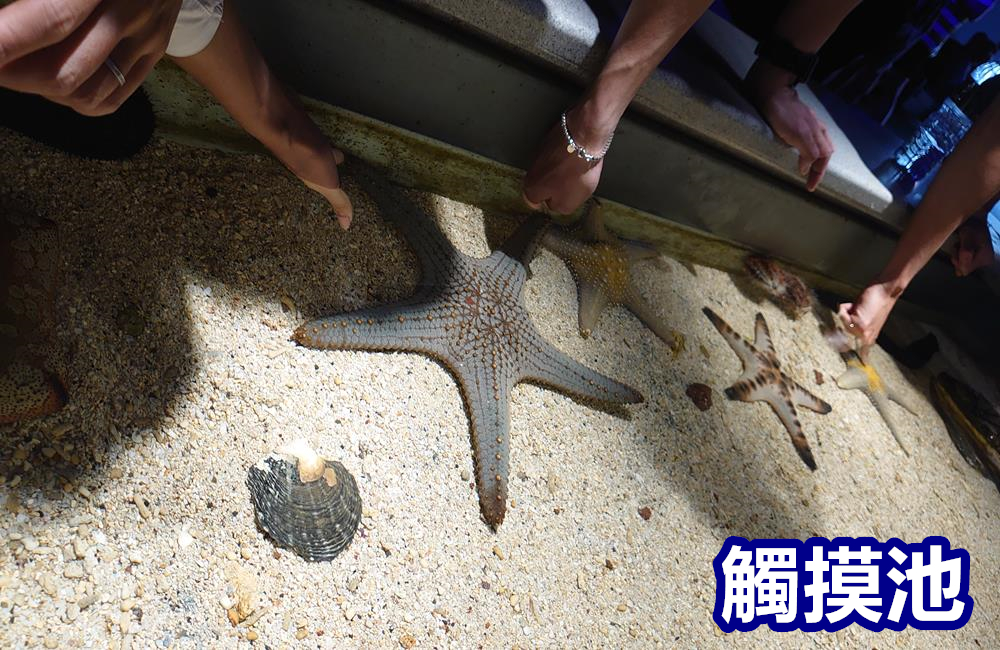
x,y
936,137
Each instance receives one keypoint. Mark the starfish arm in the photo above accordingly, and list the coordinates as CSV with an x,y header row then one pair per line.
x,y
524,241
410,326
785,410
898,398
853,378
802,397
593,301
881,403
592,225
512,273
740,346
779,398
645,313
638,252
550,367
487,399
432,248
563,243
762,336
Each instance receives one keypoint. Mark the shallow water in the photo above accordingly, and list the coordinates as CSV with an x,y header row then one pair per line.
x,y
185,272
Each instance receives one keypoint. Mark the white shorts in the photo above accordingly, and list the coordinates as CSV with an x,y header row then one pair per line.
x,y
195,27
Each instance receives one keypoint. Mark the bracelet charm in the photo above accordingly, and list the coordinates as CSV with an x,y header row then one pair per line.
x,y
581,152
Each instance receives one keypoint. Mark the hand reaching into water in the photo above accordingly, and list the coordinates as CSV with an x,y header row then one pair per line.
x,y
559,181
866,317
770,89
234,71
335,196
60,48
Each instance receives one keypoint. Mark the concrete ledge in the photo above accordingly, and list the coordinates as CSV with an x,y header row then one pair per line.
x,y
449,113
187,113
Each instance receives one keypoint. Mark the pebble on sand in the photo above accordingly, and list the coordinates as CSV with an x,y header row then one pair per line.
x,y
700,395
645,512
73,570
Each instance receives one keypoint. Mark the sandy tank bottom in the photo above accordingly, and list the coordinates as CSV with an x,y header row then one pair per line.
x,y
125,520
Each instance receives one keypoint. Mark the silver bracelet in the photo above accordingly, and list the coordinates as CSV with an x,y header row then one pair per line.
x,y
579,151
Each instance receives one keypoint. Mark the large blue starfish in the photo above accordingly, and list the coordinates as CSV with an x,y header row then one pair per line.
x,y
469,314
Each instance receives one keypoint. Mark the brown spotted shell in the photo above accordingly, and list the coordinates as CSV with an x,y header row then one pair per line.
x,y
785,288
313,509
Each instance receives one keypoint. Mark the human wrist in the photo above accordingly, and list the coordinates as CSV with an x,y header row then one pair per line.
x,y
891,285
764,81
591,124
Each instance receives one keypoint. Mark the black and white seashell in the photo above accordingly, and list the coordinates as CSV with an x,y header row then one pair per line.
x,y
304,502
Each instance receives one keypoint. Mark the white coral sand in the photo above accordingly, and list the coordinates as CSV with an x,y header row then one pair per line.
x,y
126,521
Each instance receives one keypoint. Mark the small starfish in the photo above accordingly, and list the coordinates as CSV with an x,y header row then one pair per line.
x,y
763,381
602,264
469,314
864,377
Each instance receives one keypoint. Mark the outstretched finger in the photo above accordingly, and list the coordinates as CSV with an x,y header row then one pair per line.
x,y
846,314
535,205
809,152
816,173
338,200
820,165
27,26
342,207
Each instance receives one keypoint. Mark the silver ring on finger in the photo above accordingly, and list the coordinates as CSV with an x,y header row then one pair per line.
x,y
116,71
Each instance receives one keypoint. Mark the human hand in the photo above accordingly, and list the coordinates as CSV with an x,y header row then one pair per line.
x,y
59,48
559,181
974,249
332,192
770,89
865,318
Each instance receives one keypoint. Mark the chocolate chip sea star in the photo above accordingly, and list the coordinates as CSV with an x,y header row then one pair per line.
x,y
763,381
601,265
468,314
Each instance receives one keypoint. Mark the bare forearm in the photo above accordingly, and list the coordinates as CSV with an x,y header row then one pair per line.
x,y
807,24
967,180
650,30
233,70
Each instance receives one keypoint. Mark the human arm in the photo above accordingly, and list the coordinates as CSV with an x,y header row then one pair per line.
x,y
806,25
968,179
561,181
234,71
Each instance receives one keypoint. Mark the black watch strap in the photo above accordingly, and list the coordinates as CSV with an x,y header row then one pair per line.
x,y
779,52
